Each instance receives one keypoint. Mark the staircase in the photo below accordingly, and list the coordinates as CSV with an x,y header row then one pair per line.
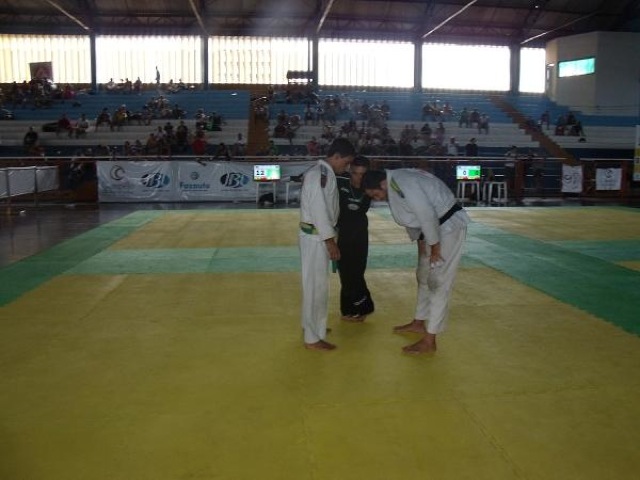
x,y
539,136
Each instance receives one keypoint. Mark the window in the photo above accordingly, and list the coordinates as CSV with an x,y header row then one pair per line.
x,y
365,63
465,67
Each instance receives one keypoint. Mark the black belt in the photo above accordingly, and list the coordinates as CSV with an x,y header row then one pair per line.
x,y
457,207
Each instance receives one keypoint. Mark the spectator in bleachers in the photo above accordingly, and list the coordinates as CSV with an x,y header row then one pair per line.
x,y
545,119
471,148
440,133
31,142
308,114
272,150
282,117
182,137
511,156
177,113
168,129
151,147
127,149
111,86
137,86
474,118
464,118
201,119
222,151
576,129
199,143
483,124
425,133
447,111
239,148
82,125
104,117
319,114
68,93
452,147
120,118
313,147
64,126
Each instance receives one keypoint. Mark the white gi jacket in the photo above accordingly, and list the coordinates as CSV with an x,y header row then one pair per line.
x,y
320,206
418,199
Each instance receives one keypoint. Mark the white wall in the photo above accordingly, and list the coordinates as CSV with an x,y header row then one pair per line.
x,y
618,80
614,89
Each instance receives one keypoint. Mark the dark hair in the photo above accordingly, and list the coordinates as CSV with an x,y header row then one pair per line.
x,y
372,179
342,147
361,161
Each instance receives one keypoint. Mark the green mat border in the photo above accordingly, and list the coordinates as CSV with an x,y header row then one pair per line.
x,y
579,273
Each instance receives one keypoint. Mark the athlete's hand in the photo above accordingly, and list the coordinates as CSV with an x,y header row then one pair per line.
x,y
332,248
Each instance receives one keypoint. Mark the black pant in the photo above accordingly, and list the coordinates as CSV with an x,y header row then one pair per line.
x,y
355,298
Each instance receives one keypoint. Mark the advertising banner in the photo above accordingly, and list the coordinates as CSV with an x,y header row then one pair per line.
x,y
608,178
184,181
571,179
216,181
139,181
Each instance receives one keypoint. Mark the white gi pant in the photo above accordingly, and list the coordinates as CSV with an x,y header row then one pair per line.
x,y
435,284
314,259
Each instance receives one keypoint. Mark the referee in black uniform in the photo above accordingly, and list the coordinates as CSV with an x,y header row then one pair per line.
x,y
353,242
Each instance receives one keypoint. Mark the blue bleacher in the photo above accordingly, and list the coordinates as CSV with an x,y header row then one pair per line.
x,y
534,105
407,106
230,104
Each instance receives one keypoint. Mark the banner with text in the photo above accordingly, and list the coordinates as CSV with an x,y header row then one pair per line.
x,y
183,181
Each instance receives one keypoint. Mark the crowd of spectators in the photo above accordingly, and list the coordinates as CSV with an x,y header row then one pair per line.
x,y
367,127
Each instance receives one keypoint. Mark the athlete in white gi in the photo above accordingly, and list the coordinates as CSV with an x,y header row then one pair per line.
x,y
426,207
319,210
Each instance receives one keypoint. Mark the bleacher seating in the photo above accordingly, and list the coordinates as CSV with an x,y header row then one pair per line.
x,y
406,108
501,135
605,136
233,106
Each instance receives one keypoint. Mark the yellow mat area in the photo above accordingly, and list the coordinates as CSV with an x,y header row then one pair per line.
x,y
543,223
203,376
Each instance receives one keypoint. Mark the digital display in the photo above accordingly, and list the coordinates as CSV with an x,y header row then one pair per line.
x,y
573,68
266,173
468,172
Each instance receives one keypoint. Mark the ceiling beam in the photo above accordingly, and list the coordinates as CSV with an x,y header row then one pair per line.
x,y
561,27
198,17
58,7
324,16
449,19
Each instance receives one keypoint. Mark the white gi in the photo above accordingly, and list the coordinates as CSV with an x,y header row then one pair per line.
x,y
418,200
319,210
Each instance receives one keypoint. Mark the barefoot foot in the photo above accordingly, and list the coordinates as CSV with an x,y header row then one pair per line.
x,y
427,344
320,345
415,326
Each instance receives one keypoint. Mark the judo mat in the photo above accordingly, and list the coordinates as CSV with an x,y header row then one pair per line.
x,y
167,346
